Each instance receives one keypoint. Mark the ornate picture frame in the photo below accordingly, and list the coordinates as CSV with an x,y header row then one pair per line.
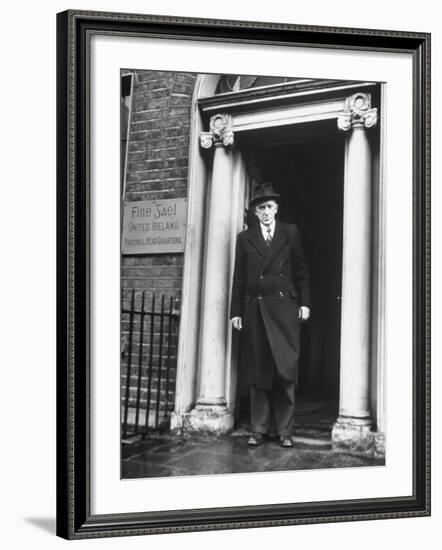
x,y
76,518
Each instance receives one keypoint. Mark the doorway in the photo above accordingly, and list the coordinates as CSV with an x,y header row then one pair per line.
x,y
306,166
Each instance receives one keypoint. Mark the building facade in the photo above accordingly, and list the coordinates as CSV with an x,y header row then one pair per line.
x,y
209,139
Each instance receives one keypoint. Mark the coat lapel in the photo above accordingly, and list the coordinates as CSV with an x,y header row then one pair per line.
x,y
257,240
279,240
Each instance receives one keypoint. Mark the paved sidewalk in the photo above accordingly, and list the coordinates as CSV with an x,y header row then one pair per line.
x,y
168,455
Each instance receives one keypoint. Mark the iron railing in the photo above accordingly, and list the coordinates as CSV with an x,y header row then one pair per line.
x,y
148,352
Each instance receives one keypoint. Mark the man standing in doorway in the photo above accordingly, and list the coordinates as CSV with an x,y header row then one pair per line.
x,y
270,296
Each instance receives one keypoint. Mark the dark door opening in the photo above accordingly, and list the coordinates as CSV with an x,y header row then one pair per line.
x,y
309,175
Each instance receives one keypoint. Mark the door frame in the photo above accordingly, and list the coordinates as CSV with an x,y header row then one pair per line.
x,y
253,109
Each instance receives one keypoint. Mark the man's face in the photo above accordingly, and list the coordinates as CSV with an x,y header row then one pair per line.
x,y
266,211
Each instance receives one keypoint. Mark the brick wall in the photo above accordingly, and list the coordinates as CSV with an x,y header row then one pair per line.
x,y
157,168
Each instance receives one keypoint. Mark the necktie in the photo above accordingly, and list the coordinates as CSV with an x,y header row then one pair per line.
x,y
269,236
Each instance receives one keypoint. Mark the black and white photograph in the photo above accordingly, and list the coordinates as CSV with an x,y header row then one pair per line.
x,y
222,265
252,274
243,274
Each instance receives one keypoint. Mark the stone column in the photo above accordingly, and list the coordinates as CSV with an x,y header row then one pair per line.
x,y
352,430
211,413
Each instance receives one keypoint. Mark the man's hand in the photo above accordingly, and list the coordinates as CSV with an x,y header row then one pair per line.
x,y
304,313
237,323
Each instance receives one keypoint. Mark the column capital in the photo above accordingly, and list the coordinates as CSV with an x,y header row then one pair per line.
x,y
220,133
358,112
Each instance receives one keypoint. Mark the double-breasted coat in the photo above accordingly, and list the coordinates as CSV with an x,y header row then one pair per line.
x,y
270,283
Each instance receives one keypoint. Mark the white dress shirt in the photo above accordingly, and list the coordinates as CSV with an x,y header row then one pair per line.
x,y
264,230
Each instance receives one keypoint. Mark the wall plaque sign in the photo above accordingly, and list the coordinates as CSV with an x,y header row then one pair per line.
x,y
154,227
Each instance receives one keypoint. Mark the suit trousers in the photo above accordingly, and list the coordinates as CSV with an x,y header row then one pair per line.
x,y
277,403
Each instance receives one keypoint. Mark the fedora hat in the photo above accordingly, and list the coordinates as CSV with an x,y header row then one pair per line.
x,y
263,192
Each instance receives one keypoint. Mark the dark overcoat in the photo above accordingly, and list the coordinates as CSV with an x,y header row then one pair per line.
x,y
270,283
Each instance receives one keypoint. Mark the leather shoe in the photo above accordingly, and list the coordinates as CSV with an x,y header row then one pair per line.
x,y
286,442
255,439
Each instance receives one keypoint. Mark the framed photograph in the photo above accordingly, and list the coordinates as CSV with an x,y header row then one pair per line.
x,y
243,274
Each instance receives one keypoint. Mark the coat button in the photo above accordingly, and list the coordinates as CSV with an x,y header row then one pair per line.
x,y
261,276
259,297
